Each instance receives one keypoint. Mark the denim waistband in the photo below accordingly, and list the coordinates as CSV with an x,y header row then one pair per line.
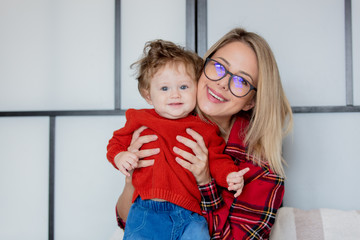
x,y
157,206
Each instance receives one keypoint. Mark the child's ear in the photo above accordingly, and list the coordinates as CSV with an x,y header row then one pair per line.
x,y
146,96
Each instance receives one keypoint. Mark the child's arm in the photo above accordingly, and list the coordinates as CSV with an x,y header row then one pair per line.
x,y
235,181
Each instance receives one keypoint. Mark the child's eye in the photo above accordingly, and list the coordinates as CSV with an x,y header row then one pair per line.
x,y
164,88
182,87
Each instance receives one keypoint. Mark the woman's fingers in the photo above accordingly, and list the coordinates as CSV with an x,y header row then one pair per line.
x,y
136,144
145,163
200,153
147,152
196,162
198,146
198,138
136,134
184,164
185,155
137,141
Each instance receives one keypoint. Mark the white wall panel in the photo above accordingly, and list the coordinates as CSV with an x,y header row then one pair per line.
x,y
24,174
307,40
323,162
142,21
87,185
56,55
356,49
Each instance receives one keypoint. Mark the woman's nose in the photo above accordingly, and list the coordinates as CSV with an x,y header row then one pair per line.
x,y
223,83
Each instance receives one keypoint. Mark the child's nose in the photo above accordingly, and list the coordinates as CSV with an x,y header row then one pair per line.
x,y
175,93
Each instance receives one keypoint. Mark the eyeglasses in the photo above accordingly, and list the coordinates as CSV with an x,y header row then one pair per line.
x,y
238,85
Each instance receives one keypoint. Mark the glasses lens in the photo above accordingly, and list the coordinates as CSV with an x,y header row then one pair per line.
x,y
214,70
239,86
220,70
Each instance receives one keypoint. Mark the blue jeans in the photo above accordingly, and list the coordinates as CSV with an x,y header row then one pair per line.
x,y
149,219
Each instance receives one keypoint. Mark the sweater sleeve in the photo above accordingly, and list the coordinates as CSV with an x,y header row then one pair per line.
x,y
220,164
251,215
118,143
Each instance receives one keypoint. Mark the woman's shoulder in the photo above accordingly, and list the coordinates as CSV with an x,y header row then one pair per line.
x,y
238,131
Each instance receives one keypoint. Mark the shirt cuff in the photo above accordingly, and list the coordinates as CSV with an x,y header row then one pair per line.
x,y
120,222
210,198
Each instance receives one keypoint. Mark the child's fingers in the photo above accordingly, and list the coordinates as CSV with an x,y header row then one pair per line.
x,y
242,172
127,165
124,171
132,161
235,186
235,180
238,193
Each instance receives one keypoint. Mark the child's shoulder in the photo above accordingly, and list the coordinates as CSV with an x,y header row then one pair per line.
x,y
205,127
131,112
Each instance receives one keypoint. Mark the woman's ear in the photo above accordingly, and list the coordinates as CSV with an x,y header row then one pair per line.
x,y
250,104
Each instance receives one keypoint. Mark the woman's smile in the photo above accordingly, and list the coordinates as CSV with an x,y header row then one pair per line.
x,y
214,96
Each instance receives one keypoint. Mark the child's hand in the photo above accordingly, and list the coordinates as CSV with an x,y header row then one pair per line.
x,y
126,162
235,181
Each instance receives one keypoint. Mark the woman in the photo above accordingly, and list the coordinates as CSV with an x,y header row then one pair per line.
x,y
239,90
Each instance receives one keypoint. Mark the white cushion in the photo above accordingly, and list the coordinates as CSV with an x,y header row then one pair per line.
x,y
317,224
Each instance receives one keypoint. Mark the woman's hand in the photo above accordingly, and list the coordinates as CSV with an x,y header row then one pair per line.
x,y
197,164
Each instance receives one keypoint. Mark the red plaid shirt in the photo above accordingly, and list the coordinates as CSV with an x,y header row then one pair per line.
x,y
252,214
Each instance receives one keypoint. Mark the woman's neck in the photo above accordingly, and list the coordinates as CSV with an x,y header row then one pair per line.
x,y
225,126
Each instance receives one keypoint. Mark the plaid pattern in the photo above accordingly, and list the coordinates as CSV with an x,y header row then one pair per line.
x,y
210,199
252,214
120,222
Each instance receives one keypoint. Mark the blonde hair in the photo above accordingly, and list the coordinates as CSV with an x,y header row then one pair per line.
x,y
271,118
157,54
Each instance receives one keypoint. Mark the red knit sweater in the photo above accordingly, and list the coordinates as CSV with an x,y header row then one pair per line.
x,y
166,179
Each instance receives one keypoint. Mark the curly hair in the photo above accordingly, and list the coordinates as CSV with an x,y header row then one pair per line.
x,y
157,54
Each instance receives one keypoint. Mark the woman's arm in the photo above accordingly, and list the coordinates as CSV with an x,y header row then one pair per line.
x,y
125,199
124,202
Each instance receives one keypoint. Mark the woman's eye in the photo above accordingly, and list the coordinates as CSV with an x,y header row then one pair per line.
x,y
183,87
220,69
239,82
164,88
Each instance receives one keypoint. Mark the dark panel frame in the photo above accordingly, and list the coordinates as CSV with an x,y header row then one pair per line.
x,y
201,35
51,207
348,54
117,62
196,39
191,27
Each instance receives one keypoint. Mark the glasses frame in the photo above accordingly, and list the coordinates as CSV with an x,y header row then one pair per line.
x,y
231,76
